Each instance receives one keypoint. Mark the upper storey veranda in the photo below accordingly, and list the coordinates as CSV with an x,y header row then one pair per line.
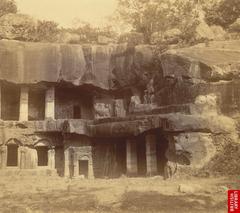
x,y
42,80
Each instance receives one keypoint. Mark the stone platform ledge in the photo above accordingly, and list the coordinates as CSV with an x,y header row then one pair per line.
x,y
172,122
128,126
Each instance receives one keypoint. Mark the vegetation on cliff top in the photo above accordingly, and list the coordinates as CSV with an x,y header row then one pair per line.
x,y
157,21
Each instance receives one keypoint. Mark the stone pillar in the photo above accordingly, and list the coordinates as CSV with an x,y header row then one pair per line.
x,y
23,111
67,162
75,165
22,164
51,158
151,154
90,169
132,168
34,159
50,103
3,157
31,158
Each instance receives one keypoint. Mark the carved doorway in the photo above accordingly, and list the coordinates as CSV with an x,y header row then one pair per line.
x,y
42,153
83,168
12,155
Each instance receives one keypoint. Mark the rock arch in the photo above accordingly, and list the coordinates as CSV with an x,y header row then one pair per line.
x,y
43,142
45,153
13,141
13,152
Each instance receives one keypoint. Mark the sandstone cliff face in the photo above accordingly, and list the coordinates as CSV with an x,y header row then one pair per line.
x,y
106,67
206,78
201,70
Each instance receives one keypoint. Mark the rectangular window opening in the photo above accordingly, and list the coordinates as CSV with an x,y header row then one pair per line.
x,y
77,112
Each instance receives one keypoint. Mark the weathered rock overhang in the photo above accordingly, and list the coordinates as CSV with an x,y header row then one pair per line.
x,y
117,66
101,66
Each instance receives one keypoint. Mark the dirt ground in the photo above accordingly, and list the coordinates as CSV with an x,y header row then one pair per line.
x,y
124,195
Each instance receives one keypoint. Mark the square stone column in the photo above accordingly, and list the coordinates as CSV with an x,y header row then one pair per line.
x,y
67,162
90,169
151,154
3,157
51,158
132,167
50,103
75,165
22,152
23,111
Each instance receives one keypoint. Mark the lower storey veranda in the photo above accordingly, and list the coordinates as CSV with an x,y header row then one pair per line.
x,y
82,156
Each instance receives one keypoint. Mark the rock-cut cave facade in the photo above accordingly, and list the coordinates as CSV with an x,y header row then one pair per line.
x,y
104,111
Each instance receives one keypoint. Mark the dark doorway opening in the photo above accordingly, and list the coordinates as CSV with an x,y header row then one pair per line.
x,y
59,160
121,157
36,105
83,168
162,146
12,155
109,157
76,112
10,96
42,152
141,155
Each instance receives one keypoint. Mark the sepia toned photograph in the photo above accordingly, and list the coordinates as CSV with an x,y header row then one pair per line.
x,y
119,106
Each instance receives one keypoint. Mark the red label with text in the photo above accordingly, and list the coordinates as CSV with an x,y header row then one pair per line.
x,y
233,201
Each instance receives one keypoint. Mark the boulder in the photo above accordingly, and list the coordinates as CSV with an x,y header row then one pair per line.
x,y
189,189
197,149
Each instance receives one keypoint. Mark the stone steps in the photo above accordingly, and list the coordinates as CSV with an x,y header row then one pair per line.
x,y
29,172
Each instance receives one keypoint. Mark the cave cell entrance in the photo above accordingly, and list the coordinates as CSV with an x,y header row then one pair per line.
x,y
42,152
12,155
83,168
